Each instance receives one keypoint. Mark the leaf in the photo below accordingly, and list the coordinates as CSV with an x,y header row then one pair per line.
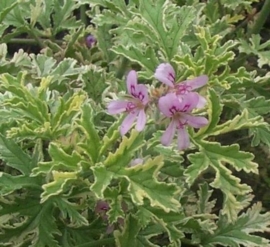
x,y
6,7
260,134
92,141
254,47
42,65
132,228
143,184
215,155
116,205
258,105
167,221
238,233
214,111
36,224
23,100
60,160
234,4
14,156
13,16
204,205
169,22
196,168
62,181
63,17
70,213
65,111
10,183
145,57
242,121
93,82
142,180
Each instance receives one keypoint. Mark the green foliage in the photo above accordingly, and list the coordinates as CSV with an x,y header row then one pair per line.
x,y
255,47
232,234
67,176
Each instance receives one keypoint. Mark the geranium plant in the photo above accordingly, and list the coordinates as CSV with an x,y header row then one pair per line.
x,y
134,123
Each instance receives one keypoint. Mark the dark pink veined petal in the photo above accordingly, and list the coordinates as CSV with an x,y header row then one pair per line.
x,y
195,122
189,102
117,106
197,82
183,141
141,120
168,135
166,74
127,122
167,102
132,82
202,102
141,93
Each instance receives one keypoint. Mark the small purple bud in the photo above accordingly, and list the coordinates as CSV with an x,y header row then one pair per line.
x,y
90,40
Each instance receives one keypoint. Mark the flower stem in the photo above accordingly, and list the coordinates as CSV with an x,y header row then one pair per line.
x,y
121,71
263,15
83,14
29,41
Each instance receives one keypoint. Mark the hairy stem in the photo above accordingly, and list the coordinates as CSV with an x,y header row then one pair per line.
x,y
261,18
121,71
29,41
83,14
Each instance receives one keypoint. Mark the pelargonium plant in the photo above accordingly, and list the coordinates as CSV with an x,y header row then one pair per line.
x,y
134,123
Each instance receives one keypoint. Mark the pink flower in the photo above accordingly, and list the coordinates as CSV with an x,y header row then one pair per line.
x,y
179,110
134,105
166,74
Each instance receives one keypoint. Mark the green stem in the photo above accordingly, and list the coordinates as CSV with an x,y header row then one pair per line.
x,y
83,14
29,41
263,15
35,36
220,6
121,71
98,243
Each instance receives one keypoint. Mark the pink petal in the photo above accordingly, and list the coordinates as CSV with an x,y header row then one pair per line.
x,y
195,122
165,103
117,106
141,93
189,102
197,82
136,162
166,74
168,135
183,141
202,102
127,122
141,121
132,82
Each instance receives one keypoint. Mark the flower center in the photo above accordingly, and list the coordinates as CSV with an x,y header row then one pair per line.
x,y
183,88
134,104
139,96
181,123
130,106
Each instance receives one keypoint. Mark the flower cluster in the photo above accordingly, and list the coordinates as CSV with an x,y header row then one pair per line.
x,y
177,105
